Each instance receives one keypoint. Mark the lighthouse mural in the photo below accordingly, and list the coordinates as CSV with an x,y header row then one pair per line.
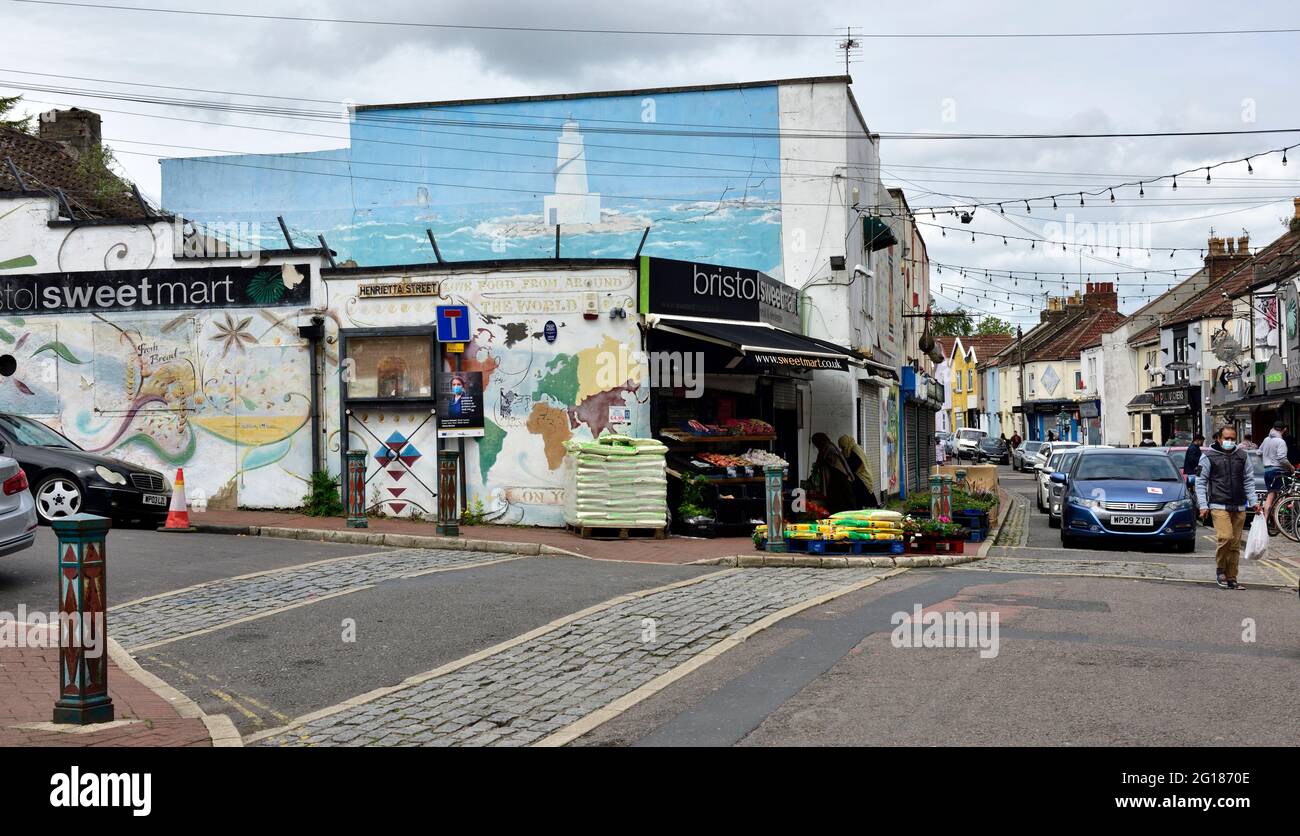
x,y
572,203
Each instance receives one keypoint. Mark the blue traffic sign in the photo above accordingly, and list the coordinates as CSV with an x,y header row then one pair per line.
x,y
453,323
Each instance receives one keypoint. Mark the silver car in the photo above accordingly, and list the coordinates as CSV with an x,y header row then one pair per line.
x,y
1022,457
17,508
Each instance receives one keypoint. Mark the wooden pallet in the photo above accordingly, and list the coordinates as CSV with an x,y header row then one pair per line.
x,y
833,547
609,532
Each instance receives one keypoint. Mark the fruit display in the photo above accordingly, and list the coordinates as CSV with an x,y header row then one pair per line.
x,y
749,426
723,459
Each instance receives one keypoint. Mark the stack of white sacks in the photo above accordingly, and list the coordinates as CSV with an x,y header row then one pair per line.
x,y
615,481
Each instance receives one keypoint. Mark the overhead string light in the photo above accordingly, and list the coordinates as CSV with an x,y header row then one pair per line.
x,y
1107,191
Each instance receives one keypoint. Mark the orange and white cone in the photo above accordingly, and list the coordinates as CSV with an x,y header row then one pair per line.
x,y
178,514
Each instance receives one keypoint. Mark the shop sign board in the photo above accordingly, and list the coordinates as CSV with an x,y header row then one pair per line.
x,y
693,288
184,288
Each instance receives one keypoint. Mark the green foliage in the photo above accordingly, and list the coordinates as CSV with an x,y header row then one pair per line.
x,y
992,326
474,513
693,502
322,499
959,324
96,165
7,104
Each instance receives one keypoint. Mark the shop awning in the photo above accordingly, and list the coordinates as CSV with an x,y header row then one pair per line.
x,y
876,234
766,346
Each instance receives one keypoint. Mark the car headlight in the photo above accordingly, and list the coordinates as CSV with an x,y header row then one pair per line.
x,y
1178,505
1082,502
112,477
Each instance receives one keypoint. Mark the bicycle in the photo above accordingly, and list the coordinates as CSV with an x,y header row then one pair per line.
x,y
1284,515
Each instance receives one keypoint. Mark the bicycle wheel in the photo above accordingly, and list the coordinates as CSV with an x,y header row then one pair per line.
x,y
1284,514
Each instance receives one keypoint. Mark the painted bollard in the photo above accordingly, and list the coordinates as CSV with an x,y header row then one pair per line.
x,y
940,496
83,631
448,497
355,482
773,478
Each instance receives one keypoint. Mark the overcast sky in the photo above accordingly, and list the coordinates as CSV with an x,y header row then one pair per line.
x,y
1025,85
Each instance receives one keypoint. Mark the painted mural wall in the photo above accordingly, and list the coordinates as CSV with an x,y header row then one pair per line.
x,y
537,394
221,389
491,180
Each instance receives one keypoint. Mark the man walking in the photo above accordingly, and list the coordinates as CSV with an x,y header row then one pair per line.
x,y
1225,489
1273,451
1192,459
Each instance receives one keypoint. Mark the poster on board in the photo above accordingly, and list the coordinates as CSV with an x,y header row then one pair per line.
x,y
460,404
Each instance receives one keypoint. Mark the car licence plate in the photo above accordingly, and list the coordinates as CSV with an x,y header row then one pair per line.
x,y
1128,519
154,499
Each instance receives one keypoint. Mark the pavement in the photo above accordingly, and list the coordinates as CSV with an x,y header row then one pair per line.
x,y
672,549
146,711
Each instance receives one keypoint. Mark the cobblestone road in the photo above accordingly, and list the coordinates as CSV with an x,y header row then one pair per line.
x,y
135,625
1202,570
526,692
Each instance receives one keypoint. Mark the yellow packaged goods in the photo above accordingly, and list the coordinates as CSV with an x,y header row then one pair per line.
x,y
868,514
879,525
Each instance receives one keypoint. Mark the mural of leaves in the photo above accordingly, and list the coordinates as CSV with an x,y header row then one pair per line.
x,y
60,349
266,287
15,263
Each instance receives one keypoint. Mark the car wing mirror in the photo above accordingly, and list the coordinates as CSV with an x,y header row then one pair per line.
x,y
1059,478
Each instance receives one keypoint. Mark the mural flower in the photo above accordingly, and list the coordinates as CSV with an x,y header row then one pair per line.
x,y
10,345
233,334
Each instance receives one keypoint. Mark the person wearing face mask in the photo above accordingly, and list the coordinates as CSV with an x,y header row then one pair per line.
x,y
455,407
1225,489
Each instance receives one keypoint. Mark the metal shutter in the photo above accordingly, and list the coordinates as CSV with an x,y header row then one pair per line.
x,y
869,421
914,450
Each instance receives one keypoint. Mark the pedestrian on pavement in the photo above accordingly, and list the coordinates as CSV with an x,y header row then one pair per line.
x,y
1015,440
1192,459
938,450
834,474
864,482
1051,436
1276,463
1225,489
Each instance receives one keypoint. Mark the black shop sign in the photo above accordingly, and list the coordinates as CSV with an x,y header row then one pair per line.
x,y
694,288
276,285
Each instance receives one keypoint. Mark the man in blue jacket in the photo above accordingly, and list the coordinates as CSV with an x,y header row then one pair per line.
x,y
1225,490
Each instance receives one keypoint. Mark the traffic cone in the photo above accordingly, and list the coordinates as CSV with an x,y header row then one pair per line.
x,y
178,514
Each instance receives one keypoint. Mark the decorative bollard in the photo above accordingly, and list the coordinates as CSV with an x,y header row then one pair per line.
x,y
355,482
83,631
940,497
448,498
773,477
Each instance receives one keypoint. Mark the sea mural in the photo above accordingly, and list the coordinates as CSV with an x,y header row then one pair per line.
x,y
538,393
492,180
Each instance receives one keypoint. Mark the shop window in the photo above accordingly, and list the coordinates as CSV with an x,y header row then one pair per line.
x,y
390,367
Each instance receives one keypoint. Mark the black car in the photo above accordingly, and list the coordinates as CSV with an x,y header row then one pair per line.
x,y
67,480
992,450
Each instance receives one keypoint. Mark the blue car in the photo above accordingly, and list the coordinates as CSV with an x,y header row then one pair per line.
x,y
1136,496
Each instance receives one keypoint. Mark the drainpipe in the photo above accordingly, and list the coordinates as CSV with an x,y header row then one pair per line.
x,y
313,334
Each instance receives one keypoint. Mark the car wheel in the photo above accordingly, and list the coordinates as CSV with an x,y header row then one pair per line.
x,y
1067,542
1189,546
1053,522
57,497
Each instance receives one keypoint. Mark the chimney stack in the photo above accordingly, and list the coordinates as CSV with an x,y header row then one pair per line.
x,y
75,129
1101,296
1220,258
